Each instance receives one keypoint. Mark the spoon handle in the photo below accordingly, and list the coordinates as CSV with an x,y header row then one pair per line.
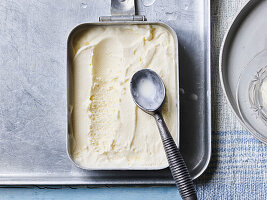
x,y
177,165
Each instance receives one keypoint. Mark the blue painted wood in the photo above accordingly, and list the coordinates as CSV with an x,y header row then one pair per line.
x,y
117,193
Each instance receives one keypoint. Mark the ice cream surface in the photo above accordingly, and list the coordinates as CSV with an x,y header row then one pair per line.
x,y
109,130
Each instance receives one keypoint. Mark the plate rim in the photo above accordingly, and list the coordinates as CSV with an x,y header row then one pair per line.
x,y
229,35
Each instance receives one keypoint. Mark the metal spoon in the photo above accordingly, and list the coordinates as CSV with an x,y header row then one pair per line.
x,y
148,92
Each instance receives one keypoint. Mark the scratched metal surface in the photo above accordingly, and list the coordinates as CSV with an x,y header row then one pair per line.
x,y
33,89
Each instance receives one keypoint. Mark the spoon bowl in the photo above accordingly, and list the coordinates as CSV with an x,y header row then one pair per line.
x,y
148,90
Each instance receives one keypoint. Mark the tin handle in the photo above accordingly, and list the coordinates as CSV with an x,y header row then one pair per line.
x,y
122,10
177,164
122,7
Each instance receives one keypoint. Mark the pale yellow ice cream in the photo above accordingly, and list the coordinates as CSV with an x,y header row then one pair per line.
x,y
110,131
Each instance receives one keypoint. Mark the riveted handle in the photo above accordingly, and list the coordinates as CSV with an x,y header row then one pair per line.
x,y
177,165
122,10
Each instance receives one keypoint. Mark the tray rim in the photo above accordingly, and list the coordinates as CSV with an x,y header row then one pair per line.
x,y
208,65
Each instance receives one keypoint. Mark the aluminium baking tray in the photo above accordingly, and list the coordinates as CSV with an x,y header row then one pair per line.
x,y
33,89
